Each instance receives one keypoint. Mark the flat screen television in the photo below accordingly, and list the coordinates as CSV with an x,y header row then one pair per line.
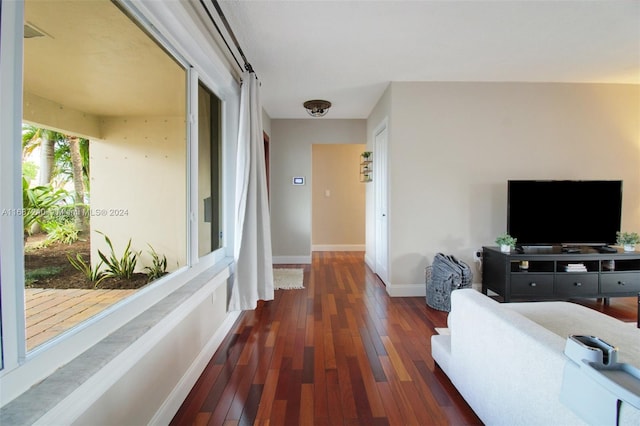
x,y
568,212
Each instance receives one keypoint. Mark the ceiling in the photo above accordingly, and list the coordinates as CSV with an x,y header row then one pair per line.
x,y
348,51
92,58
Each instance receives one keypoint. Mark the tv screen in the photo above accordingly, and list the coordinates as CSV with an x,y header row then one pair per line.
x,y
573,212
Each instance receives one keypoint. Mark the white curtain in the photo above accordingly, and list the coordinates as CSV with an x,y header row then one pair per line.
x,y
253,278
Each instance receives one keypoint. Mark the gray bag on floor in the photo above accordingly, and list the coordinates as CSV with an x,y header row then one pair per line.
x,y
445,275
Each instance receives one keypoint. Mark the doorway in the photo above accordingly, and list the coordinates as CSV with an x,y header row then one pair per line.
x,y
338,198
381,214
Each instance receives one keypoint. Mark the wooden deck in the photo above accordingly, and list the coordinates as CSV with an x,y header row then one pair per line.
x,y
50,312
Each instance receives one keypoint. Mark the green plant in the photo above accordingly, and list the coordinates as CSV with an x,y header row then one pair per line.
x,y
65,232
95,275
30,277
63,213
627,238
37,201
158,267
29,170
122,267
366,155
506,240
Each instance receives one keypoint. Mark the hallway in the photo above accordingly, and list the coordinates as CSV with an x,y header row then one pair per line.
x,y
340,351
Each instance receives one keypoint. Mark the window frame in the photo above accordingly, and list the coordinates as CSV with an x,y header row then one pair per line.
x,y
46,358
216,194
11,246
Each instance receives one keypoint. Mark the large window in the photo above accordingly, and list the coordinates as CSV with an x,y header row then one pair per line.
x,y
112,131
104,162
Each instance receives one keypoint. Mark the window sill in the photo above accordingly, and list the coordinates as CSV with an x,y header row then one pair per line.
x,y
92,372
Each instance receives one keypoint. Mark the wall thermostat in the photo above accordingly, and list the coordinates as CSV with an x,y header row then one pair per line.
x,y
299,180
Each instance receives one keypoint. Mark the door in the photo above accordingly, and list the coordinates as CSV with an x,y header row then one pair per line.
x,y
266,165
380,181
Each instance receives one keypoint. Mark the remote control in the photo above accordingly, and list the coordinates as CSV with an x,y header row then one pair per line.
x,y
570,250
607,249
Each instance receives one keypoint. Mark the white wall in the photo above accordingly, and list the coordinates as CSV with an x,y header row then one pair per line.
x,y
138,173
338,198
291,142
453,146
266,123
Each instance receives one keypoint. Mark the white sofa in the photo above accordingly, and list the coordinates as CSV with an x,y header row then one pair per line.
x,y
507,359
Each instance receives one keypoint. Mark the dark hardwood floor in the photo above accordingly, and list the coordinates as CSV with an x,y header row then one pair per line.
x,y
338,352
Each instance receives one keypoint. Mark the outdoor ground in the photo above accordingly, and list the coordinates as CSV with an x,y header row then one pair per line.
x,y
48,267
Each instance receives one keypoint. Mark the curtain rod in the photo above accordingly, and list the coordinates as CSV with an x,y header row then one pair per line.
x,y
247,65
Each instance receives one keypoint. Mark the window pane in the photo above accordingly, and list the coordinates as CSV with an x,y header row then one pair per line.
x,y
209,209
104,155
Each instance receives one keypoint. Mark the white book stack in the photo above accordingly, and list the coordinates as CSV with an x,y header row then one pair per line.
x,y
575,267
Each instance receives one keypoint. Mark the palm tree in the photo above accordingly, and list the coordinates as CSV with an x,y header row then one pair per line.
x,y
62,158
78,183
34,137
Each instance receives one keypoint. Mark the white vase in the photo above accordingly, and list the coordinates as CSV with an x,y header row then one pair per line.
x,y
629,247
505,248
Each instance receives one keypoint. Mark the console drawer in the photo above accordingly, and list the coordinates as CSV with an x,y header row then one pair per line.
x,y
576,284
620,282
531,284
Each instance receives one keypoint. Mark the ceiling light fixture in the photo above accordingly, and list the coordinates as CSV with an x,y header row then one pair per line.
x,y
317,107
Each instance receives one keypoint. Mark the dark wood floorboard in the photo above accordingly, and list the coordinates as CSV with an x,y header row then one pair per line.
x,y
338,352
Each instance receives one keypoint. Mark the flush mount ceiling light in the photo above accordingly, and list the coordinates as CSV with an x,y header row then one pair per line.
x,y
317,107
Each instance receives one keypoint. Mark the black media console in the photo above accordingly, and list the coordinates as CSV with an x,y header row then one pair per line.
x,y
550,273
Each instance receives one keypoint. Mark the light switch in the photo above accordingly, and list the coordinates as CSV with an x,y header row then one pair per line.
x,y
327,193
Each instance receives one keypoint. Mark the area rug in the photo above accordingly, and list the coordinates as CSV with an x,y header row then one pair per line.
x,y
287,279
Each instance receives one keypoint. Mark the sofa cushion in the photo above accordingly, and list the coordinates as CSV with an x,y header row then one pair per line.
x,y
565,318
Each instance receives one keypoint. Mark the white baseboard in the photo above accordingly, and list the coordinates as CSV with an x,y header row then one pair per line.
x,y
407,290
338,247
291,260
179,394
416,290
369,261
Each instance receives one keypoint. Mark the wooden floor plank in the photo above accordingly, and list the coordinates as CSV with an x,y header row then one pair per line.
x,y
268,396
334,398
306,405
338,352
391,409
